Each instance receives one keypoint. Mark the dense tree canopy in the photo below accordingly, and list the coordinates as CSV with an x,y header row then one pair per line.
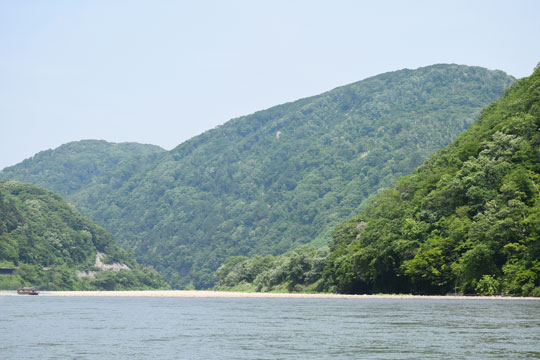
x,y
48,241
468,220
300,269
75,166
279,178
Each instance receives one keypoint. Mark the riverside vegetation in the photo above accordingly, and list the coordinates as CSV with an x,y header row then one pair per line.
x,y
53,246
466,221
269,182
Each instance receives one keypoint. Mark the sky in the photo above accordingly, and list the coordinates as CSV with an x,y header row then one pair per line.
x,y
160,72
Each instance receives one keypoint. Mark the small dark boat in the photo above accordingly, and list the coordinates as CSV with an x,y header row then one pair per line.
x,y
27,291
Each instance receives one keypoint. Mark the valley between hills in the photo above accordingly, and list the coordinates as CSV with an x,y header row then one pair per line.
x,y
420,181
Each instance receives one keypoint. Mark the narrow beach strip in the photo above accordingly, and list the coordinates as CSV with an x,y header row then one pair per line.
x,y
230,294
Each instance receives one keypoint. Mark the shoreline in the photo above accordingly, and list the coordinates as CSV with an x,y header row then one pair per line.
x,y
230,294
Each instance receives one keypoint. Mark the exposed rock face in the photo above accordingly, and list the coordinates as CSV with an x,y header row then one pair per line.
x,y
115,266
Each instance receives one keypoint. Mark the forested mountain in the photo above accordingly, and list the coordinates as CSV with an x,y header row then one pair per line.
x,y
282,177
54,247
78,165
468,220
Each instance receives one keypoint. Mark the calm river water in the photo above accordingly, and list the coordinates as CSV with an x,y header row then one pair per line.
x,y
180,328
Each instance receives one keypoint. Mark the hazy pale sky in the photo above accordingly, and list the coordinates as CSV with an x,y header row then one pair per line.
x,y
160,72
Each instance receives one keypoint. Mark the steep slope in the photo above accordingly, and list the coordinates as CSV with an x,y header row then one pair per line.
x,y
54,247
271,181
468,220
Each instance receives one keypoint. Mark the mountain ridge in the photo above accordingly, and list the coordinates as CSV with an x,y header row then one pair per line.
x,y
467,220
282,177
84,157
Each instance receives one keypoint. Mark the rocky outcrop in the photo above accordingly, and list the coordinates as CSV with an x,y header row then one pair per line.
x,y
115,266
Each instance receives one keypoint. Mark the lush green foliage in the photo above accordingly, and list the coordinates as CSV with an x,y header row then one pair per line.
x,y
48,241
74,167
466,221
298,270
274,180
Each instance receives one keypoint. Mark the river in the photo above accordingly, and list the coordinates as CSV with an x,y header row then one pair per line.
x,y
37,327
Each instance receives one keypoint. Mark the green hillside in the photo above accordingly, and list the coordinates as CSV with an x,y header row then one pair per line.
x,y
466,221
77,165
279,178
48,242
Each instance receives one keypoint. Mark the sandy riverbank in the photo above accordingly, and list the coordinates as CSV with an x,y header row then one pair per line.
x,y
225,294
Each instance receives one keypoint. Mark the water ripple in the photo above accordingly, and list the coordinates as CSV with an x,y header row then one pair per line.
x,y
89,328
